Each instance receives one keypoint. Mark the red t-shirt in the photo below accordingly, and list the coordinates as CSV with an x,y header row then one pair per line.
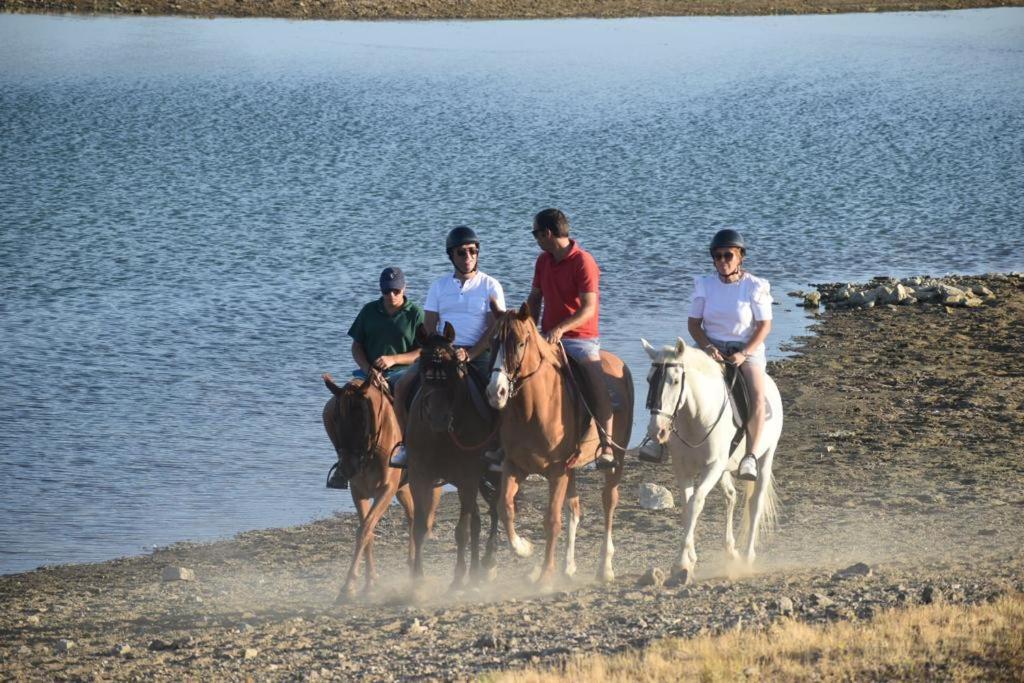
x,y
561,282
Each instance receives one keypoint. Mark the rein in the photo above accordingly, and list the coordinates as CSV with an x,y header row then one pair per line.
x,y
658,381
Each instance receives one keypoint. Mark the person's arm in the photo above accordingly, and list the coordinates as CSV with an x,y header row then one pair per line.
x,y
696,329
586,311
484,342
407,358
761,330
533,301
359,355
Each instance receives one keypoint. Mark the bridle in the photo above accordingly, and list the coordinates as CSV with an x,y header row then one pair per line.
x,y
437,377
371,430
653,403
507,343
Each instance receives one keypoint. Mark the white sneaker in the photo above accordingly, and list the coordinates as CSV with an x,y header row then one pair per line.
x,y
748,468
400,458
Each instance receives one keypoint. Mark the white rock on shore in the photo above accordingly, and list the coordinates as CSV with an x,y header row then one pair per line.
x,y
655,497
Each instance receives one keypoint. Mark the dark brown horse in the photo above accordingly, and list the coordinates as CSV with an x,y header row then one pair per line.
x,y
360,420
445,436
544,430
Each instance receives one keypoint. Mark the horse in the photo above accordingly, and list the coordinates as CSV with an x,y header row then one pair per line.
x,y
545,431
360,421
692,415
445,437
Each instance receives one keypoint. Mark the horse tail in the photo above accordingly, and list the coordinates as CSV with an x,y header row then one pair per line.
x,y
769,512
627,377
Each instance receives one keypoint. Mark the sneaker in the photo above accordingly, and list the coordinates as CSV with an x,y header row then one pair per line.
x,y
399,458
493,459
335,479
605,458
652,451
748,468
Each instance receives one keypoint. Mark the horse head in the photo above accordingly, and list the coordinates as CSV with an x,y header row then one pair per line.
x,y
513,331
355,424
666,387
441,372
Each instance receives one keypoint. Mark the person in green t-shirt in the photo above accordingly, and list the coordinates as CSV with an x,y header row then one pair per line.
x,y
384,332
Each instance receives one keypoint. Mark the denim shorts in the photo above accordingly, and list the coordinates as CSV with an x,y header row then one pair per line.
x,y
582,349
727,348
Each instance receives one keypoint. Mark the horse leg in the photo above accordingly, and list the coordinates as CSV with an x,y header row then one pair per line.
x,y
760,503
377,510
423,513
405,499
610,500
509,487
558,484
688,558
490,564
362,505
467,500
730,506
573,498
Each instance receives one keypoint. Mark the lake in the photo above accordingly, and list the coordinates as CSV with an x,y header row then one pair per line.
x,y
192,212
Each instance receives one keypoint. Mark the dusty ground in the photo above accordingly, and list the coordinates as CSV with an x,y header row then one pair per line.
x,y
482,9
902,450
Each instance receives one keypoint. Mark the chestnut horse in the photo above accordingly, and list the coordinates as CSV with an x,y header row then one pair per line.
x,y
360,420
542,432
445,436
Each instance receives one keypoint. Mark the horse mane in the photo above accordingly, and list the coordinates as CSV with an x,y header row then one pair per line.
x,y
693,360
504,324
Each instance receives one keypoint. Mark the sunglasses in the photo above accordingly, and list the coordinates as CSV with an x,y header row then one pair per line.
x,y
392,291
538,232
723,255
467,251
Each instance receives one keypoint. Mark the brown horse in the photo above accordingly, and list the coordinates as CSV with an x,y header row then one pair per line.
x,y
544,430
360,420
445,436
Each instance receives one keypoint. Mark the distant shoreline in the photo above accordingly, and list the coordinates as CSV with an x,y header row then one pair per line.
x,y
481,9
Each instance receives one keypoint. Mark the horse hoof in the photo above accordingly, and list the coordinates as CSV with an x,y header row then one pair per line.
x,y
345,596
606,576
522,547
570,570
682,577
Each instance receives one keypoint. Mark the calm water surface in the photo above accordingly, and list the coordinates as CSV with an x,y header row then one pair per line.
x,y
192,212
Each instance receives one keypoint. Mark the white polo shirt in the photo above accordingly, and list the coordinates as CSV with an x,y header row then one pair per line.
x,y
464,304
730,309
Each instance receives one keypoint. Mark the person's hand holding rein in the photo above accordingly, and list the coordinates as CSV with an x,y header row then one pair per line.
x,y
712,351
461,355
383,363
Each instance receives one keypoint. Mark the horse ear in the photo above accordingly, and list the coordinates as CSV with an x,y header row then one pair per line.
x,y
524,311
649,349
495,309
680,346
449,332
329,381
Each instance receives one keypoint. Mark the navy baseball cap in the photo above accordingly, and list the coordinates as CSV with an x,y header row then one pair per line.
x,y
392,278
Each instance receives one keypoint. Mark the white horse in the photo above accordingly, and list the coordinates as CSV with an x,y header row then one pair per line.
x,y
691,414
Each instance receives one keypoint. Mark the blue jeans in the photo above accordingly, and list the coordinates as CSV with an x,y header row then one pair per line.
x,y
392,375
582,349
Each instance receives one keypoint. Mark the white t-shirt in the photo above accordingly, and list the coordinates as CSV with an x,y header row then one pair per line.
x,y
730,309
464,304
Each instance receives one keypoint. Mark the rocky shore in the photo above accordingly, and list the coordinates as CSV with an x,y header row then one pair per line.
x,y
481,9
900,479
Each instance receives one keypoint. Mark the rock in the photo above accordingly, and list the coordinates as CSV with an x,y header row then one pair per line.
x,y
821,600
930,594
64,646
414,628
250,653
812,299
32,620
157,645
785,605
178,574
652,577
392,627
973,302
983,292
654,497
121,649
490,641
916,281
854,570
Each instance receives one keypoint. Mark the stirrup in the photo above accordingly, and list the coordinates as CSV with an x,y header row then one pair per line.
x,y
654,452
399,459
605,459
335,479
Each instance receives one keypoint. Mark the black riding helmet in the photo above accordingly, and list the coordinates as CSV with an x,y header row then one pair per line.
x,y
727,238
458,237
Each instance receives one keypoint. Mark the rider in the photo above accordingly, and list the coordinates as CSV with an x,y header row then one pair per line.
x,y
730,317
383,340
384,332
464,300
566,279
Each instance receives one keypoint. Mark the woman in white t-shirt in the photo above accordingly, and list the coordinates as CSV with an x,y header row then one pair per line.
x,y
730,317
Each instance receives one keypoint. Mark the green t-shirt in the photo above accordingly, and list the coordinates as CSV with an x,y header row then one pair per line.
x,y
386,335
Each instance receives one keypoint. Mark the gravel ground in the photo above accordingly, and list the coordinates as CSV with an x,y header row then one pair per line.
x,y
899,474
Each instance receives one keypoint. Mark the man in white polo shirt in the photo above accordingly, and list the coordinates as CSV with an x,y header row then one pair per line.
x,y
463,299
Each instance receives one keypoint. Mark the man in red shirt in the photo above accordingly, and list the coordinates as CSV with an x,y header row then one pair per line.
x,y
567,280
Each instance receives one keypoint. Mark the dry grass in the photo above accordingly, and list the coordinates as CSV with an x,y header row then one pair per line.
x,y
936,642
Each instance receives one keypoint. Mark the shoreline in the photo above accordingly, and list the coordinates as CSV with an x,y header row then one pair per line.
x,y
900,456
481,9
